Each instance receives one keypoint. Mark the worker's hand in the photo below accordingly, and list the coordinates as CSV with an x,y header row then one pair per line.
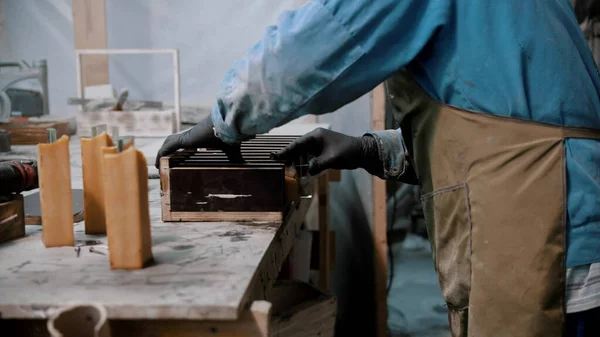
x,y
334,150
200,136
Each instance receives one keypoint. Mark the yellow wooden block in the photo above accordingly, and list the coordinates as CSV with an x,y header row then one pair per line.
x,y
56,204
127,209
93,190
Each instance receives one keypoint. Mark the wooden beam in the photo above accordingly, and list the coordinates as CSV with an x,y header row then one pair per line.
x,y
12,219
2,18
323,211
379,220
89,32
269,267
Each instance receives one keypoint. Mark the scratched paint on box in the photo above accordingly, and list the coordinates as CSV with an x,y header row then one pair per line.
x,y
229,196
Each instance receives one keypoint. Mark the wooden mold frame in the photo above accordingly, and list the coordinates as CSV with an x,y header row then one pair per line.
x,y
204,185
12,219
142,123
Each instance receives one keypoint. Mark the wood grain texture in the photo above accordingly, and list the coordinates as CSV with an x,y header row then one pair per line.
x,y
56,203
300,310
12,219
378,105
125,183
89,32
323,215
254,322
266,274
33,133
222,216
93,187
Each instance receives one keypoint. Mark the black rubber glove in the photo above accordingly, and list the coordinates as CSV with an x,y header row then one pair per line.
x,y
334,150
200,136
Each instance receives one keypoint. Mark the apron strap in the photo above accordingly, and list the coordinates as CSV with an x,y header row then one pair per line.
x,y
573,132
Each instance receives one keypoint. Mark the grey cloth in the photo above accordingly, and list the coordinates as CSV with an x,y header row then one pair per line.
x,y
583,288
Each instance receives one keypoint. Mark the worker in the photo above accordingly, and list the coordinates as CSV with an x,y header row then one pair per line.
x,y
499,108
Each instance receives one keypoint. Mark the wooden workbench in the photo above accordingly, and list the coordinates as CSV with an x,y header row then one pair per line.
x,y
204,273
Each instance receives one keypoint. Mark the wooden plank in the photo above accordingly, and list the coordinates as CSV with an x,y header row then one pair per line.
x,y
2,19
335,175
255,322
12,219
89,32
300,310
323,209
266,274
32,133
378,103
222,216
314,255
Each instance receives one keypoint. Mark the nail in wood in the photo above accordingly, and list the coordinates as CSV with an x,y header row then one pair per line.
x,y
51,135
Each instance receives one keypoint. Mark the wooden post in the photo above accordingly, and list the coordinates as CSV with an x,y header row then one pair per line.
x,y
323,206
2,18
89,32
379,220
12,219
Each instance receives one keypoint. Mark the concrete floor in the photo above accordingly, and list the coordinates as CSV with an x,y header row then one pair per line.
x,y
415,304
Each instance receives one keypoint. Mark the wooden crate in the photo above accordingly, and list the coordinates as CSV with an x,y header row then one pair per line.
x,y
12,219
205,185
33,133
142,123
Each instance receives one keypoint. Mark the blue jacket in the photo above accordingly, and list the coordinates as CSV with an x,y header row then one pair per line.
x,y
526,59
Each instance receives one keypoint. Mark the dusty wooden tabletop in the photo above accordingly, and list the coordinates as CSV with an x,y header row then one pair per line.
x,y
201,270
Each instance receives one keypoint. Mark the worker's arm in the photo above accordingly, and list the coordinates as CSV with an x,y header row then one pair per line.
x,y
320,57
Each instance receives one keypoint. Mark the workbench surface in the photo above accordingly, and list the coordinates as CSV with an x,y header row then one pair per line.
x,y
202,270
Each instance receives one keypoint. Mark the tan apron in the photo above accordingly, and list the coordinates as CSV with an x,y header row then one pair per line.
x,y
494,197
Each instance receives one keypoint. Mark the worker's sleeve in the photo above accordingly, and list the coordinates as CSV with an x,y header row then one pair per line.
x,y
392,152
320,57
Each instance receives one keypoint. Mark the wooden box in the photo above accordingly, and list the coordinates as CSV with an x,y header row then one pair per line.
x,y
12,219
204,185
32,133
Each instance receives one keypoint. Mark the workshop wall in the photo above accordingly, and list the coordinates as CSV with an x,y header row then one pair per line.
x,y
34,30
210,36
